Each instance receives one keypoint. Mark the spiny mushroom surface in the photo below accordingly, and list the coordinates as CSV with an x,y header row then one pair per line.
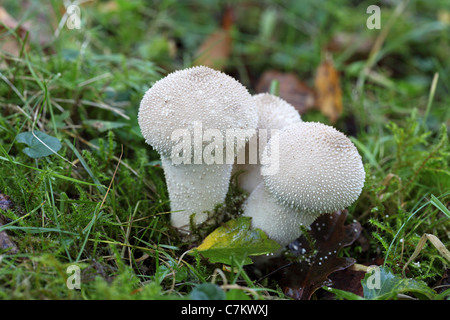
x,y
319,171
192,101
199,94
194,188
274,113
280,223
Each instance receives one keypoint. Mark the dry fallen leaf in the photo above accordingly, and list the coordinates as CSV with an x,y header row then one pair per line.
x,y
355,46
5,204
328,90
10,44
5,242
291,89
347,280
301,278
108,6
216,48
435,241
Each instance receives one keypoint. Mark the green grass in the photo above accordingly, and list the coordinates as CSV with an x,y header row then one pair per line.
x,y
101,203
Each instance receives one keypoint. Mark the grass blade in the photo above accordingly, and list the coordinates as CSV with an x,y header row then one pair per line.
x,y
438,204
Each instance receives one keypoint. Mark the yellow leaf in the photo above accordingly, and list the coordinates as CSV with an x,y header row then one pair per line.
x,y
328,90
236,241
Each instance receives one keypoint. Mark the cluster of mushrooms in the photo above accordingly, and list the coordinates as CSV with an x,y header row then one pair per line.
x,y
293,170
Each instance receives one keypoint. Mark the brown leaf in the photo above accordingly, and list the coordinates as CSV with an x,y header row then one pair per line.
x,y
347,280
5,242
216,48
10,44
300,279
328,90
291,89
5,203
359,46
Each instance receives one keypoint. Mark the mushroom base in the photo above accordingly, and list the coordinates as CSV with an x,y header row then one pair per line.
x,y
194,188
279,223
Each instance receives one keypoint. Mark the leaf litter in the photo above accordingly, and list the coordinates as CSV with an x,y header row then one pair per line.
x,y
236,240
311,258
6,244
325,95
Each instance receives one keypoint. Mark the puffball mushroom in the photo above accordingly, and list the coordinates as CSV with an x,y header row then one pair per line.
x,y
319,171
280,223
274,113
193,110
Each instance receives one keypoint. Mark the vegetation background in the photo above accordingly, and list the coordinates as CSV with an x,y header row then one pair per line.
x,y
100,201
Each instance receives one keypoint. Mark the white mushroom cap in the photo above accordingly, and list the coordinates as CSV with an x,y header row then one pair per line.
x,y
320,170
273,113
281,224
194,95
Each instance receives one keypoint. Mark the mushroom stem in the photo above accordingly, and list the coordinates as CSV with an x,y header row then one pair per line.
x,y
194,189
280,223
274,114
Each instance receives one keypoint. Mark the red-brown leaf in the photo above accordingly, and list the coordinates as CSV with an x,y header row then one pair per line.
x,y
5,242
328,90
9,43
300,279
215,50
291,89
